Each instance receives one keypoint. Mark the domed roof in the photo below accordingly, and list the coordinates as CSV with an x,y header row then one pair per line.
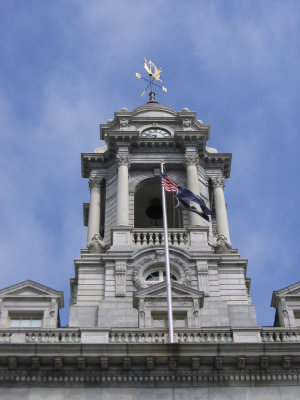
x,y
153,106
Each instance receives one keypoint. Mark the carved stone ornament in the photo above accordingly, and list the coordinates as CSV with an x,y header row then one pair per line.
x,y
187,124
120,269
218,182
97,245
95,181
123,159
191,159
222,245
124,124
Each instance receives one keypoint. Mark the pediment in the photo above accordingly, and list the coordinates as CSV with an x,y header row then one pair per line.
x,y
160,291
30,289
289,291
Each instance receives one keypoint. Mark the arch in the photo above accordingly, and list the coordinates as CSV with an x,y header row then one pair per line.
x,y
148,206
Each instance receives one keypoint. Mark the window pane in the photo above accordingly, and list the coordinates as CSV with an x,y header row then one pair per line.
x,y
297,317
14,323
159,322
179,321
25,323
36,323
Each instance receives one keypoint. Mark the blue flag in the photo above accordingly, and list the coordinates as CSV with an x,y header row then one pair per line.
x,y
186,195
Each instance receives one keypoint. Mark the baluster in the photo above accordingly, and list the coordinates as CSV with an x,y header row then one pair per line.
x,y
184,236
263,336
134,238
179,337
139,240
285,337
221,337
150,238
197,338
149,338
161,239
154,238
201,338
277,337
160,337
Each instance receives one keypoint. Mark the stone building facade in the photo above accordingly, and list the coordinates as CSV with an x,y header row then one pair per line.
x,y
117,342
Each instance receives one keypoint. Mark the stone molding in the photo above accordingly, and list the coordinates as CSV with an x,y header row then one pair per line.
x,y
95,181
202,270
218,182
191,159
77,370
123,159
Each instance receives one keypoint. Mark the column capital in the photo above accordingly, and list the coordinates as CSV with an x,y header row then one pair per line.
x,y
218,182
191,159
123,159
95,181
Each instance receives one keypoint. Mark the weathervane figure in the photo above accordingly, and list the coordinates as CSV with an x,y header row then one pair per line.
x,y
154,75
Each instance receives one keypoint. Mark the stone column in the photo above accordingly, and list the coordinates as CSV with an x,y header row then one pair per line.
x,y
220,208
191,161
123,161
94,211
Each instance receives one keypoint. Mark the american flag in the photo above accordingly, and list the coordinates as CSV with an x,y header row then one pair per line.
x,y
168,184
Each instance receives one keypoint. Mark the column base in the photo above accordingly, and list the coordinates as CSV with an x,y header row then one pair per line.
x,y
198,238
121,236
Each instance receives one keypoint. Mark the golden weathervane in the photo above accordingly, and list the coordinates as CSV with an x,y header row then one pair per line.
x,y
154,75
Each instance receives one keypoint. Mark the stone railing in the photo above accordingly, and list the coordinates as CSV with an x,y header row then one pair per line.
x,y
148,336
40,336
180,336
269,335
151,236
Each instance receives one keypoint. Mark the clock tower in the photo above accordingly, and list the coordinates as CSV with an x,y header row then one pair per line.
x,y
120,278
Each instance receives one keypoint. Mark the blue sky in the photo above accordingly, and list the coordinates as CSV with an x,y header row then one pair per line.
x,y
66,66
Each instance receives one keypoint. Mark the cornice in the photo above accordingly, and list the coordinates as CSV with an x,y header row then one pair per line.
x,y
217,161
144,365
100,161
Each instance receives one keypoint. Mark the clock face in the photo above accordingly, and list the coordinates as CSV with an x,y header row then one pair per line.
x,y
155,133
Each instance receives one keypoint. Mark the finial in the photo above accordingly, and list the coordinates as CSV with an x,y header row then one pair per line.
x,y
154,74
152,97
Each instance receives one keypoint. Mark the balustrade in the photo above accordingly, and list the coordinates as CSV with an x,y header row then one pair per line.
x,y
142,336
136,337
52,336
280,335
178,237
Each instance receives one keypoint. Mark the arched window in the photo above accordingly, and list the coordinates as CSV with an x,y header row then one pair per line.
x,y
158,275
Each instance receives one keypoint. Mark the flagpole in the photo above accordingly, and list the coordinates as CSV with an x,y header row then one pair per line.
x,y
167,260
